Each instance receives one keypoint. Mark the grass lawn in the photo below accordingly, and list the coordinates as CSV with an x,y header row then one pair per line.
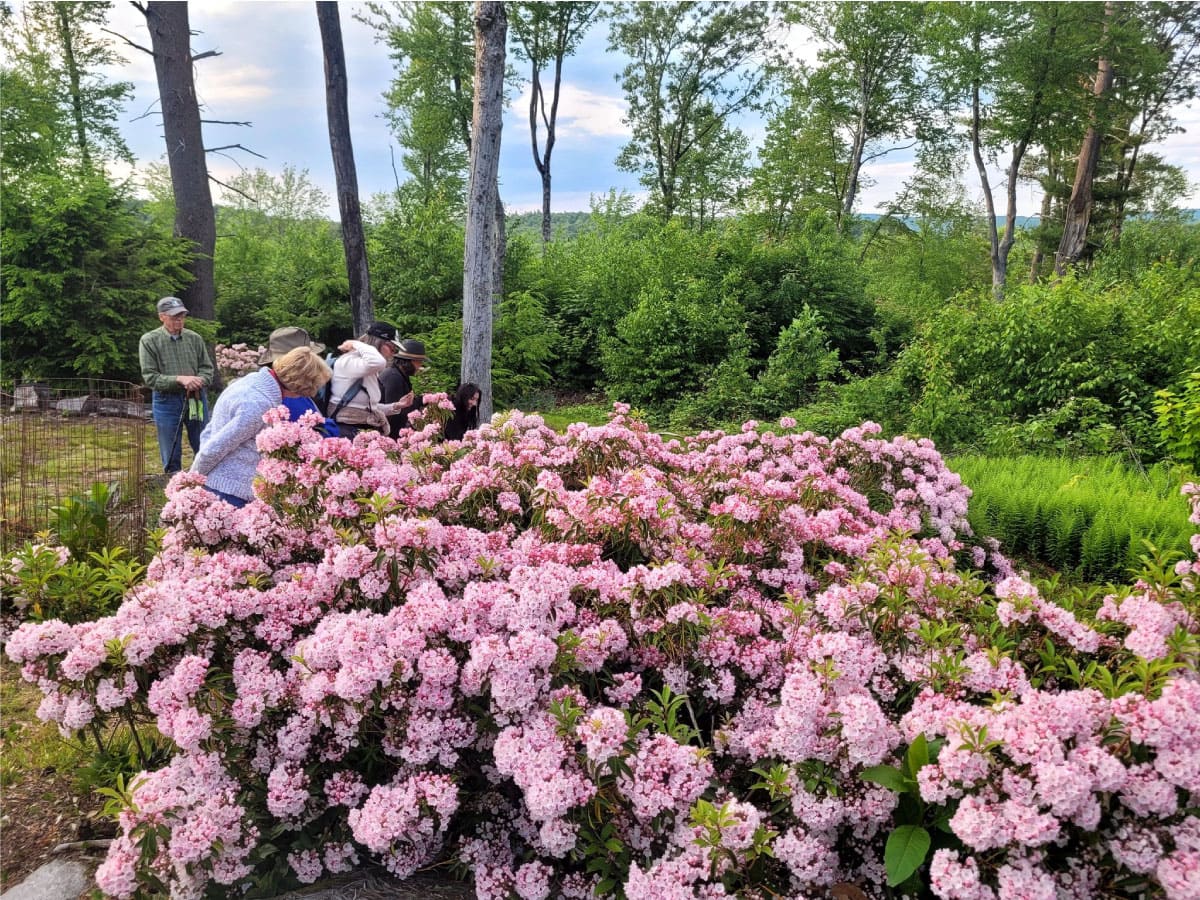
x,y
41,801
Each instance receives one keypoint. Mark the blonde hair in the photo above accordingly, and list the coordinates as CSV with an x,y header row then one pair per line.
x,y
301,371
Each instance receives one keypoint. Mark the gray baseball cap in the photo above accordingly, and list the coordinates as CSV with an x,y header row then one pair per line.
x,y
172,306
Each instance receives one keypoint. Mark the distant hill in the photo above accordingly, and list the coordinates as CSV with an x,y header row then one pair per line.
x,y
1189,215
563,225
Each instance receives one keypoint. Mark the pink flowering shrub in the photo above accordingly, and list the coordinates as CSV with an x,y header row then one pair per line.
x,y
607,663
235,360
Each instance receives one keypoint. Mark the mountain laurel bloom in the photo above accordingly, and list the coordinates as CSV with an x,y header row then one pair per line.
x,y
604,661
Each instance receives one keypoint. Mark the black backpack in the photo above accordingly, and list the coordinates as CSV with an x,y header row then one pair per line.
x,y
321,398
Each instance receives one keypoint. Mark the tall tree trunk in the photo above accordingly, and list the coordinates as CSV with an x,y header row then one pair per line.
x,y
1035,264
170,39
1125,172
499,250
546,231
855,165
491,28
68,45
999,263
536,101
1079,207
354,242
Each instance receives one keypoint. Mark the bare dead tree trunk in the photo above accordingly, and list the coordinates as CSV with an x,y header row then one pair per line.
x,y
354,242
170,38
1079,207
491,28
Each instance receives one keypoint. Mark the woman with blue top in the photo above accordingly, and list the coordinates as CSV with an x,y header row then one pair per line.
x,y
228,456
280,342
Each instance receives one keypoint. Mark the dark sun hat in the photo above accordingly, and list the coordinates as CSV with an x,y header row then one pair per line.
x,y
411,349
284,340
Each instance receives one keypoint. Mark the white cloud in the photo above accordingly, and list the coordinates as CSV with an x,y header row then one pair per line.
x,y
800,44
582,112
222,87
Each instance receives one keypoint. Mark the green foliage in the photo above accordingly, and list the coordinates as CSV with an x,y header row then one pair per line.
x,y
60,108
81,271
1077,361
667,345
1145,242
279,260
726,395
866,91
813,266
45,582
910,841
429,100
81,522
800,361
1090,517
691,67
112,769
416,253
1179,421
523,346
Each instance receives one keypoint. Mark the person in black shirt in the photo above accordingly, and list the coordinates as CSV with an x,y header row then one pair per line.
x,y
396,382
466,412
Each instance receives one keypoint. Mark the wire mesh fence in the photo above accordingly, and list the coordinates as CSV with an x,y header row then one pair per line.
x,y
62,437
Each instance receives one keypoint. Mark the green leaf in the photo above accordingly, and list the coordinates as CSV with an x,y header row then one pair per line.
x,y
918,755
888,776
905,851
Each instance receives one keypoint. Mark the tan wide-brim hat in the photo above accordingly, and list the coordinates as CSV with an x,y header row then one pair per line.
x,y
284,340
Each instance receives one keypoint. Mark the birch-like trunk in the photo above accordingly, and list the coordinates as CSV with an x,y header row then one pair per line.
x,y
491,28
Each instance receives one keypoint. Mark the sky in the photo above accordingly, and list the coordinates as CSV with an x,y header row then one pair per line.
x,y
270,72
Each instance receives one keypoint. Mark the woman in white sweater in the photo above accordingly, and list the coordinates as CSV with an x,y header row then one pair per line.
x,y
228,456
364,360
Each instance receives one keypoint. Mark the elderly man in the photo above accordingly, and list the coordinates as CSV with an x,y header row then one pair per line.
x,y
176,366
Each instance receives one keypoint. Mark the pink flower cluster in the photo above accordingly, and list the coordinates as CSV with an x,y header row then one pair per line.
x,y
608,660
235,360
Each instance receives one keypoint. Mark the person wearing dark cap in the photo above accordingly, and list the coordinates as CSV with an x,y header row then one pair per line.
x,y
396,379
355,394
282,341
177,368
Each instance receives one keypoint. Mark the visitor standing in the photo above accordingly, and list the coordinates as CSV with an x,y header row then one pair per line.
x,y
282,341
355,394
176,367
229,456
396,380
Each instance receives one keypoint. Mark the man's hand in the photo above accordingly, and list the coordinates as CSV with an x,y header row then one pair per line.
x,y
190,382
346,346
403,403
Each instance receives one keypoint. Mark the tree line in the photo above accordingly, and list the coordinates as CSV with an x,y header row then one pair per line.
x,y
1071,96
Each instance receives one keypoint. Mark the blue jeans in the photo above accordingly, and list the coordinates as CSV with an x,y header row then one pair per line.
x,y
170,423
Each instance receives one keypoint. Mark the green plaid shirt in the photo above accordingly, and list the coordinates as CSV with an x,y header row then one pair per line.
x,y
163,358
